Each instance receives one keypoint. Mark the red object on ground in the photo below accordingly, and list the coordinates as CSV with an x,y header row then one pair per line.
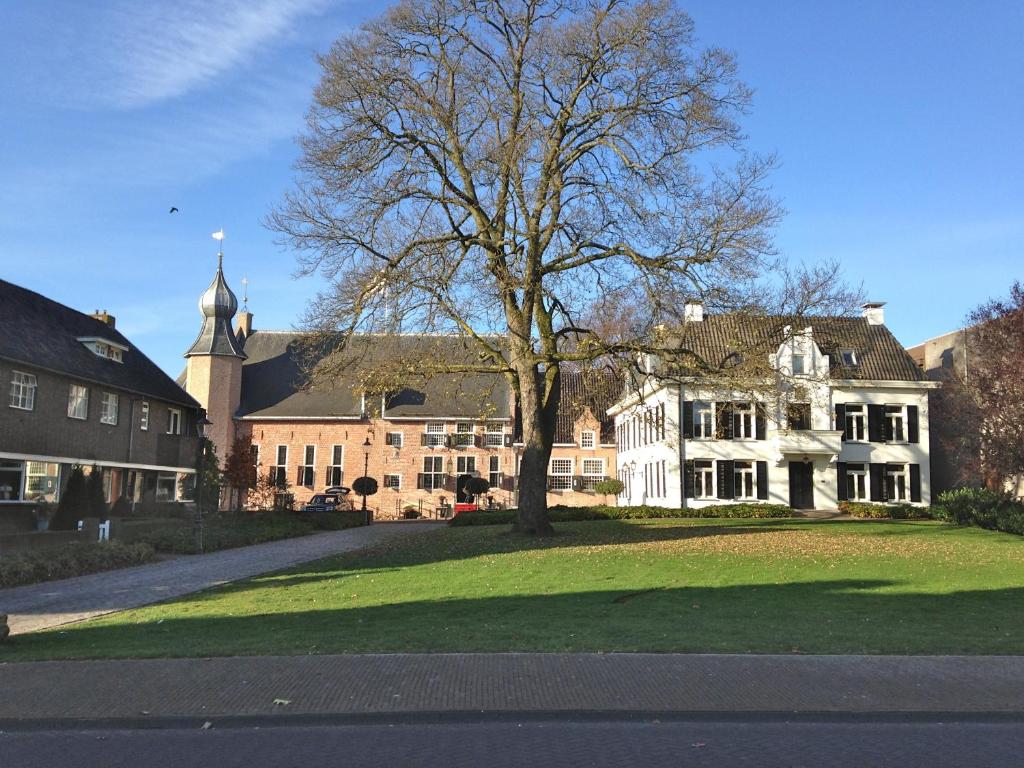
x,y
466,508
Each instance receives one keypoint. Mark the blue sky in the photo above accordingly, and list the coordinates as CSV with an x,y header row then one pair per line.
x,y
898,128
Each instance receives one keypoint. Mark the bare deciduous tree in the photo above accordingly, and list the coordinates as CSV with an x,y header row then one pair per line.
x,y
506,169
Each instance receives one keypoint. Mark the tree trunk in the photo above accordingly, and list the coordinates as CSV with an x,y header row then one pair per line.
x,y
539,408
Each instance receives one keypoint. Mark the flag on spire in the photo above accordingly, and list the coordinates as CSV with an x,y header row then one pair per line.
x,y
218,235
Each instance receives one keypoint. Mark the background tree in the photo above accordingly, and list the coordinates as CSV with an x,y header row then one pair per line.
x,y
978,415
74,504
500,170
240,467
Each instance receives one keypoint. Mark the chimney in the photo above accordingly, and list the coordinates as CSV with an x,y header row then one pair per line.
x,y
693,312
104,317
873,312
244,319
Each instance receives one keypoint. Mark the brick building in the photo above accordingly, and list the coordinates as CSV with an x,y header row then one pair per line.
x,y
80,393
420,438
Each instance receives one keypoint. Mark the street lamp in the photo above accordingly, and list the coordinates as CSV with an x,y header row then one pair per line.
x,y
197,519
366,465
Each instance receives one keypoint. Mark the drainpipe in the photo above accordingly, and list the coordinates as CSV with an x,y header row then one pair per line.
x,y
131,442
682,448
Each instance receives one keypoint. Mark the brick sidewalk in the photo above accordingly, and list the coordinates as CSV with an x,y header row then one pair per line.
x,y
52,603
400,684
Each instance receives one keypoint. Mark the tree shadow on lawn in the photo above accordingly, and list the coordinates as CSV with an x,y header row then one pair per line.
x,y
841,616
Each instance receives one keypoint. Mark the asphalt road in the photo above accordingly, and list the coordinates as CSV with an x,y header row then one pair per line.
x,y
621,743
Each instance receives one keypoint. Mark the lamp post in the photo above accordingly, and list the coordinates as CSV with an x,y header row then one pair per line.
x,y
366,466
197,519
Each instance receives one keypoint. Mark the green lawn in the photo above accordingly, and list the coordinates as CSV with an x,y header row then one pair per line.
x,y
653,585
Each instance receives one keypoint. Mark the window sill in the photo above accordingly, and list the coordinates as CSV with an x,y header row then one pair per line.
x,y
19,408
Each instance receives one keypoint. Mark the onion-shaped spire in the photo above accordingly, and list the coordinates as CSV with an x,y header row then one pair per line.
x,y
218,306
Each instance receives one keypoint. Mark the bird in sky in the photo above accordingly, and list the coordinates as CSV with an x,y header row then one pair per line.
x,y
173,210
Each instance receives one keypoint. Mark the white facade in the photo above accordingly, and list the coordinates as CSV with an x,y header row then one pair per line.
x,y
787,444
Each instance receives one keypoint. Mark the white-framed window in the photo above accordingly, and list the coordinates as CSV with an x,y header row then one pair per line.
x,y
465,465
494,471
856,482
896,416
394,439
435,436
746,485
560,475
743,421
336,469
279,471
42,481
703,419
593,473
588,439
848,358
855,423
23,391
108,408
799,364
394,482
166,487
173,421
307,472
896,482
463,434
494,435
11,480
433,473
144,417
78,402
703,479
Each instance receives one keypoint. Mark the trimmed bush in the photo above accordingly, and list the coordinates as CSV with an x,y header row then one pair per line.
x,y
563,514
74,504
71,560
862,509
981,507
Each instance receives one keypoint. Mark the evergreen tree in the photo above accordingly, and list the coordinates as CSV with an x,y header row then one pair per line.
x,y
73,505
96,501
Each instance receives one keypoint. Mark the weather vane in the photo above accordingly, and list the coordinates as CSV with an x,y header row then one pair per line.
x,y
245,293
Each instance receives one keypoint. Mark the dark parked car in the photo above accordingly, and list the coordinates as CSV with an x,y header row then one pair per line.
x,y
331,500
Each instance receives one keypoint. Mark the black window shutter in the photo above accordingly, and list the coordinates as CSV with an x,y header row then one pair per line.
x,y
723,421
841,493
688,419
419,481
298,476
913,429
841,419
762,479
915,482
423,438
760,424
726,480
876,415
508,441
327,477
878,492
688,483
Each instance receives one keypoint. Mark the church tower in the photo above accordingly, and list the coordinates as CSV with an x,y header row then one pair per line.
x,y
214,372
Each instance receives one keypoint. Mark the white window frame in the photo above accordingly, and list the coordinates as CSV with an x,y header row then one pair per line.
x,y
745,474
494,470
144,417
803,364
163,477
494,435
848,357
856,423
279,470
704,479
393,481
29,474
337,467
588,439
23,391
78,402
465,465
436,435
703,420
436,482
397,439
173,421
308,469
561,480
744,421
463,437
592,477
857,482
897,417
109,406
900,475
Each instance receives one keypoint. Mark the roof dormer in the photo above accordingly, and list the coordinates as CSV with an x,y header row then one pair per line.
x,y
101,347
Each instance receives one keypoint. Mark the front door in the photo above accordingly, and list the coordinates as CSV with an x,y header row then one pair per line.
x,y
801,485
461,495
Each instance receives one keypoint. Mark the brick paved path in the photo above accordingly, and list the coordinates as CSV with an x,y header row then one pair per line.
x,y
38,606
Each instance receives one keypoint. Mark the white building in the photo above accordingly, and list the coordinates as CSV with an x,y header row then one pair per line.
x,y
834,410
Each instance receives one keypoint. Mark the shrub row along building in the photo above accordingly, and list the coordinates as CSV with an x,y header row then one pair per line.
x,y
808,413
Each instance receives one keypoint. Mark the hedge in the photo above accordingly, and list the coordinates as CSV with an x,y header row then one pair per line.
x,y
562,514
864,509
981,507
71,560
